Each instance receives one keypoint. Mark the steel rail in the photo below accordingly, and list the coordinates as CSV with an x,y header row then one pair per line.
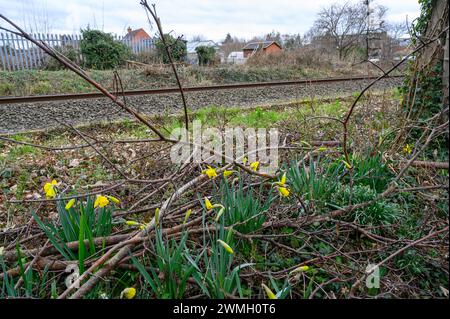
x,y
171,90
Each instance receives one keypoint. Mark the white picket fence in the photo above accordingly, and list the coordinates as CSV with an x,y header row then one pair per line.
x,y
17,53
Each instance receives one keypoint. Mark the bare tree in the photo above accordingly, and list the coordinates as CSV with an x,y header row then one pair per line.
x,y
396,29
231,44
198,38
343,25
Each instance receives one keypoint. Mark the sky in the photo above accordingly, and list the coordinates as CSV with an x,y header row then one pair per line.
x,y
211,18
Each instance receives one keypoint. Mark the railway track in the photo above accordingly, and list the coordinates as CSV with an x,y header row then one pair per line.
x,y
22,114
81,96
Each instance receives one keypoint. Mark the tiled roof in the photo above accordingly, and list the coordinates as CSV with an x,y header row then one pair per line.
x,y
132,34
261,44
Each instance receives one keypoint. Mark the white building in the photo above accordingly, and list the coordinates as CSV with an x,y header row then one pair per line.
x,y
192,57
236,57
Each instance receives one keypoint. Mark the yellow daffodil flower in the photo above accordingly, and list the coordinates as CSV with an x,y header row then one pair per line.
x,y
245,160
186,217
227,173
114,200
300,269
210,172
254,166
49,189
101,201
208,204
269,292
128,293
283,191
226,246
50,193
407,149
70,203
282,182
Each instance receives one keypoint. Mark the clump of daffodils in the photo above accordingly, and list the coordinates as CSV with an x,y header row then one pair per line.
x,y
50,189
209,206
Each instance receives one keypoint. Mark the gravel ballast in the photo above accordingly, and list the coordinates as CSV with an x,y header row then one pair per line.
x,y
16,118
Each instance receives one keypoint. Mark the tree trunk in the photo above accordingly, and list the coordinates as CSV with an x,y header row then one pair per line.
x,y
445,73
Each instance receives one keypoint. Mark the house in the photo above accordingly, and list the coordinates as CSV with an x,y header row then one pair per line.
x,y
262,46
192,57
136,37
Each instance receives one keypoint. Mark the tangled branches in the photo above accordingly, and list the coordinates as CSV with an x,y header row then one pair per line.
x,y
190,230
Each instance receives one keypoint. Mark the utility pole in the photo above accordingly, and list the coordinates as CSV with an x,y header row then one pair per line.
x,y
367,3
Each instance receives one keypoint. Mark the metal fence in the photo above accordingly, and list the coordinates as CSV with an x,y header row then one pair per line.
x,y
17,53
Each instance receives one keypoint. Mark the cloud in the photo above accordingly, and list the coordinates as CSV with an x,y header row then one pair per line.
x,y
212,18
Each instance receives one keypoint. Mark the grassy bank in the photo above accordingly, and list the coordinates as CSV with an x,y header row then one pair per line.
x,y
38,82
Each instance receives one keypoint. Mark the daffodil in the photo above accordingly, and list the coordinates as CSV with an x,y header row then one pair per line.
x,y
283,191
210,172
347,164
269,292
254,166
227,173
407,149
245,160
157,217
70,203
282,182
226,246
208,204
132,223
128,293
222,209
50,193
300,269
322,148
135,224
186,217
114,200
49,189
101,201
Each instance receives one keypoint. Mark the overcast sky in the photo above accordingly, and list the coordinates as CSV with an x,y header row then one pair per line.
x,y
211,18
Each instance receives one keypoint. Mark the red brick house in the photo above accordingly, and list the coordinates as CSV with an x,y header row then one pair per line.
x,y
136,36
262,46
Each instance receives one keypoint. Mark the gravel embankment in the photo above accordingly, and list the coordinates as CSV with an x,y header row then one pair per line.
x,y
32,116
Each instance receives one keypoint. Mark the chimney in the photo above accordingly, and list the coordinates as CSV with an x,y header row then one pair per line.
x,y
129,29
